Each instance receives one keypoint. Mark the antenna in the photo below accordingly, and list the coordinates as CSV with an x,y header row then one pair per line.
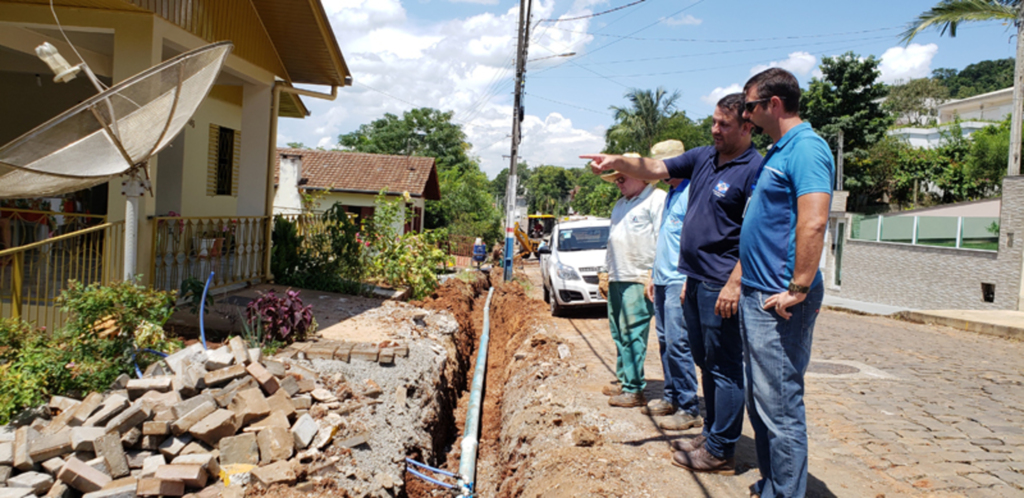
x,y
113,133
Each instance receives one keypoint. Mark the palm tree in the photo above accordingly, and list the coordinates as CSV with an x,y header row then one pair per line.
x,y
641,122
948,14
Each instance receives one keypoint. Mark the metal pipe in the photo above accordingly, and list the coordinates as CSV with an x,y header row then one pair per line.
x,y
470,439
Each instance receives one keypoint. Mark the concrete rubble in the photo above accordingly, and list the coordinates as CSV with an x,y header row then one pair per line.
x,y
199,423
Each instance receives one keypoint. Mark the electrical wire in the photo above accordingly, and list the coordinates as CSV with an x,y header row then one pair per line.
x,y
588,16
738,40
605,113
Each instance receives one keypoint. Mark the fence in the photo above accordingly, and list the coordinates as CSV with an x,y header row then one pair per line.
x,y
191,247
33,275
979,233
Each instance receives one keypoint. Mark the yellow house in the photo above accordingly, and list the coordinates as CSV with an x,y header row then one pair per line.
x,y
354,180
216,179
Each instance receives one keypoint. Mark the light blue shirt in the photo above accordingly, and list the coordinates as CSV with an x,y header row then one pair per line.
x,y
800,163
666,260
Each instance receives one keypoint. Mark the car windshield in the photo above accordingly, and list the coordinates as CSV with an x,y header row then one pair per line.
x,y
582,239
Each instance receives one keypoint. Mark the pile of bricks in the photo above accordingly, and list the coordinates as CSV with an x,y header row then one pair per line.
x,y
194,423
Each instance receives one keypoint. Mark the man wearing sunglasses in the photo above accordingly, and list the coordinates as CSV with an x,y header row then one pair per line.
x,y
721,178
780,246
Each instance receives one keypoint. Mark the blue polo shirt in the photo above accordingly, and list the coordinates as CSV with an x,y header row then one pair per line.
x,y
800,163
710,244
666,259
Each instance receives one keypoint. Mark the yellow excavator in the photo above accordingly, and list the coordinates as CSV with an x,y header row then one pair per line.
x,y
538,228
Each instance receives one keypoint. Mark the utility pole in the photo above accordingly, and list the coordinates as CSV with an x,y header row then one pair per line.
x,y
1013,162
517,117
839,163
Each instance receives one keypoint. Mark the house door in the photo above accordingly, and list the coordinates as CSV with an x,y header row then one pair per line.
x,y
840,238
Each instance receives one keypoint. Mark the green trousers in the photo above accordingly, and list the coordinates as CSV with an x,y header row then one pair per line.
x,y
629,317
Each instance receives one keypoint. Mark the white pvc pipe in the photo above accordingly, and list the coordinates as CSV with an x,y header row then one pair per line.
x,y
471,436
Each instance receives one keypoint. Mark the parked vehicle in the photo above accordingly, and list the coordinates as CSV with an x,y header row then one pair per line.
x,y
570,262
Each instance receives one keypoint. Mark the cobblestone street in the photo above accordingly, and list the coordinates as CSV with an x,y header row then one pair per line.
x,y
949,420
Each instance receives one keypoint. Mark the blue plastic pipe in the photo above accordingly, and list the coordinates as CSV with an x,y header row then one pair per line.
x,y
470,439
202,309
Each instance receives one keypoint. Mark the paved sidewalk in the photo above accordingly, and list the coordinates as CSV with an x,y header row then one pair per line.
x,y
1002,323
861,307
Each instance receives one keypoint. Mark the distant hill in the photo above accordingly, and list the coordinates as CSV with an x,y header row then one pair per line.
x,y
975,79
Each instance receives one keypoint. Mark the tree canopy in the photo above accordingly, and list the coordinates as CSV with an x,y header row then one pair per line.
x,y
976,79
916,102
638,125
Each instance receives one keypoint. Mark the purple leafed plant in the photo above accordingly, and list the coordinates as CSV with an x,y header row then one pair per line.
x,y
284,317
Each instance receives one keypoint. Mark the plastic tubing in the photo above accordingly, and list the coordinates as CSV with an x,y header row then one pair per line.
x,y
202,309
428,479
470,439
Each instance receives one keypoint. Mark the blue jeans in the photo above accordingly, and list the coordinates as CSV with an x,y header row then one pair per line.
x,y
718,351
777,352
674,345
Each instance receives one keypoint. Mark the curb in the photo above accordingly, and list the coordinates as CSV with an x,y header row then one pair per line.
x,y
1004,331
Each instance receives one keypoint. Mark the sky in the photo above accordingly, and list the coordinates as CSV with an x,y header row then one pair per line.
x,y
458,55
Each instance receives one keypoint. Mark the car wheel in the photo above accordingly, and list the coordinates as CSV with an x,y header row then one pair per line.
x,y
556,309
547,294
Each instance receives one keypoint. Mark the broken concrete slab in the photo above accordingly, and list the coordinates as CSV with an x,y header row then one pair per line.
x,y
22,460
53,465
173,446
303,402
187,420
219,358
249,405
86,408
38,482
137,458
322,351
81,476
304,431
263,377
156,428
243,448
255,354
151,486
289,384
59,490
122,491
281,402
386,356
111,406
7,453
275,473
239,351
131,438
224,396
138,387
365,351
344,352
353,441
275,419
42,448
150,464
15,492
110,449
134,416
206,460
224,375
275,367
194,476
194,354
190,404
275,443
216,426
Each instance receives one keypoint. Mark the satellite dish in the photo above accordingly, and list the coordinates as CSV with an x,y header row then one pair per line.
x,y
112,133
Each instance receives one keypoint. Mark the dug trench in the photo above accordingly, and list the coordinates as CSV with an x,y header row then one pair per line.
x,y
519,408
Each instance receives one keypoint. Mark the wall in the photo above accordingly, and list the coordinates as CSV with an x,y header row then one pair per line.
x,y
923,277
47,101
347,199
213,110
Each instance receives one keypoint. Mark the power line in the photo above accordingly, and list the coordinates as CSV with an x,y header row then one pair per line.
x,y
739,40
603,113
588,16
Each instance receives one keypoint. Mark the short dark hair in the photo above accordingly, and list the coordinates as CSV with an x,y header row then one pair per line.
x,y
776,82
734,104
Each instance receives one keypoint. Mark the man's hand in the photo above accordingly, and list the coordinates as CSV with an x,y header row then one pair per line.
x,y
649,290
682,294
598,162
602,285
783,301
728,301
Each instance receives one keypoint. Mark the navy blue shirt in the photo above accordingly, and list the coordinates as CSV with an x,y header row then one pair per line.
x,y
710,244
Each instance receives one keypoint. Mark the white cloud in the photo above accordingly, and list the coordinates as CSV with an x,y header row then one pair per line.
x,y
683,19
800,63
905,63
481,2
461,64
719,92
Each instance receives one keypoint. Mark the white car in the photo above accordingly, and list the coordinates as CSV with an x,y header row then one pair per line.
x,y
570,262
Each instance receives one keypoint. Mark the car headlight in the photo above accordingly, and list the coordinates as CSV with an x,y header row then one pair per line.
x,y
566,272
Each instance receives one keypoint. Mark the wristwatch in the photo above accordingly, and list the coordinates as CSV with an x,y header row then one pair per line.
x,y
798,289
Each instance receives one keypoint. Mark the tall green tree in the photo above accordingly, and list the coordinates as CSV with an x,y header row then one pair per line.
x,y
591,195
947,15
639,124
466,206
975,79
916,102
548,190
845,99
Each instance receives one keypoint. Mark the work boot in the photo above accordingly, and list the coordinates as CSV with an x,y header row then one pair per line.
x,y
680,421
628,400
699,460
611,390
658,408
687,445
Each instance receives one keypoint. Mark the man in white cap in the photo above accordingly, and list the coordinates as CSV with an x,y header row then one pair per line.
x,y
664,288
636,219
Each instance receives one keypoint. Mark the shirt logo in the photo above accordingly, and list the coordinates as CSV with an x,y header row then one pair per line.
x,y
721,189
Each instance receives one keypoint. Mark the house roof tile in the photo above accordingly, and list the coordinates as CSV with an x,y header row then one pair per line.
x,y
343,171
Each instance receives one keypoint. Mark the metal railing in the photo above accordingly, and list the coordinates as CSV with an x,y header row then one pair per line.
x,y
957,232
190,247
33,275
24,226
